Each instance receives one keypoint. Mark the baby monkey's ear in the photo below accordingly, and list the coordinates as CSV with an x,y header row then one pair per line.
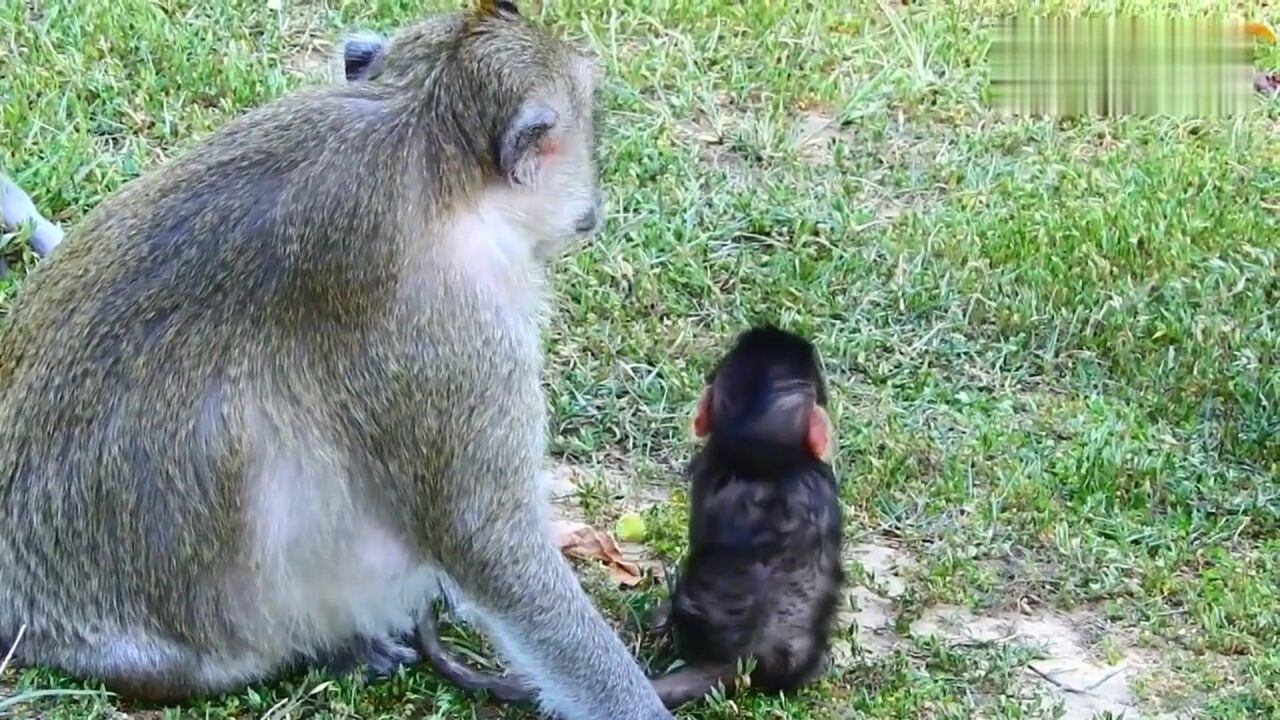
x,y
700,426
819,435
362,55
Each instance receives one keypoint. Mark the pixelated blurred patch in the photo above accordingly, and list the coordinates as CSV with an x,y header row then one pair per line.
x,y
1110,66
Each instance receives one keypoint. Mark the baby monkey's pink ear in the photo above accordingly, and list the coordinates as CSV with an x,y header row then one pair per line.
x,y
818,437
701,425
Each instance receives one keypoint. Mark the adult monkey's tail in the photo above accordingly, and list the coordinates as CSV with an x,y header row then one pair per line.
x,y
508,688
677,688
16,209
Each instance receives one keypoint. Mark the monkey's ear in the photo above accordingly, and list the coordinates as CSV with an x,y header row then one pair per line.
x,y
361,54
819,435
701,425
523,142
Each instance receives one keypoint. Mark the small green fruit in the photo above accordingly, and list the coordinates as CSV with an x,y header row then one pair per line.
x,y
630,528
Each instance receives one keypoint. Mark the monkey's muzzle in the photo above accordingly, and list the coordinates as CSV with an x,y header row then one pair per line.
x,y
590,220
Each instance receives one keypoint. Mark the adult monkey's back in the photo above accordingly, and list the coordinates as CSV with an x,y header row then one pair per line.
x,y
264,398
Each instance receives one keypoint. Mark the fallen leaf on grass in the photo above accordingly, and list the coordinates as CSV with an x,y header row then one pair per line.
x,y
582,541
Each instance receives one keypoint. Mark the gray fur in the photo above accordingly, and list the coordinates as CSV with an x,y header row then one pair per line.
x,y
16,209
278,391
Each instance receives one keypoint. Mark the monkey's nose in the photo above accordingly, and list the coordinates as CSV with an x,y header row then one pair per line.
x,y
591,218
587,222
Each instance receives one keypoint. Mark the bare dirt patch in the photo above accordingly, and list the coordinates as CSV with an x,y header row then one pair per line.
x,y
715,151
1068,670
813,133
1087,685
309,47
871,604
610,475
313,65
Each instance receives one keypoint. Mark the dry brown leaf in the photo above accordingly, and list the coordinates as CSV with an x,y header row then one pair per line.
x,y
582,541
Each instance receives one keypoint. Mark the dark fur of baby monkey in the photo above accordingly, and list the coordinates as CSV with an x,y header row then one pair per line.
x,y
764,574
268,400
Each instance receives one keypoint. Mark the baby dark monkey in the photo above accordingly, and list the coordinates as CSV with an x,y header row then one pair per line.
x,y
763,574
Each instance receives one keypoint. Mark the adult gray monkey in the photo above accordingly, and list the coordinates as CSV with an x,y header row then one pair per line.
x,y
269,396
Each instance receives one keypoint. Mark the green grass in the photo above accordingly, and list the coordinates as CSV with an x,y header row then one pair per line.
x,y
1053,345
